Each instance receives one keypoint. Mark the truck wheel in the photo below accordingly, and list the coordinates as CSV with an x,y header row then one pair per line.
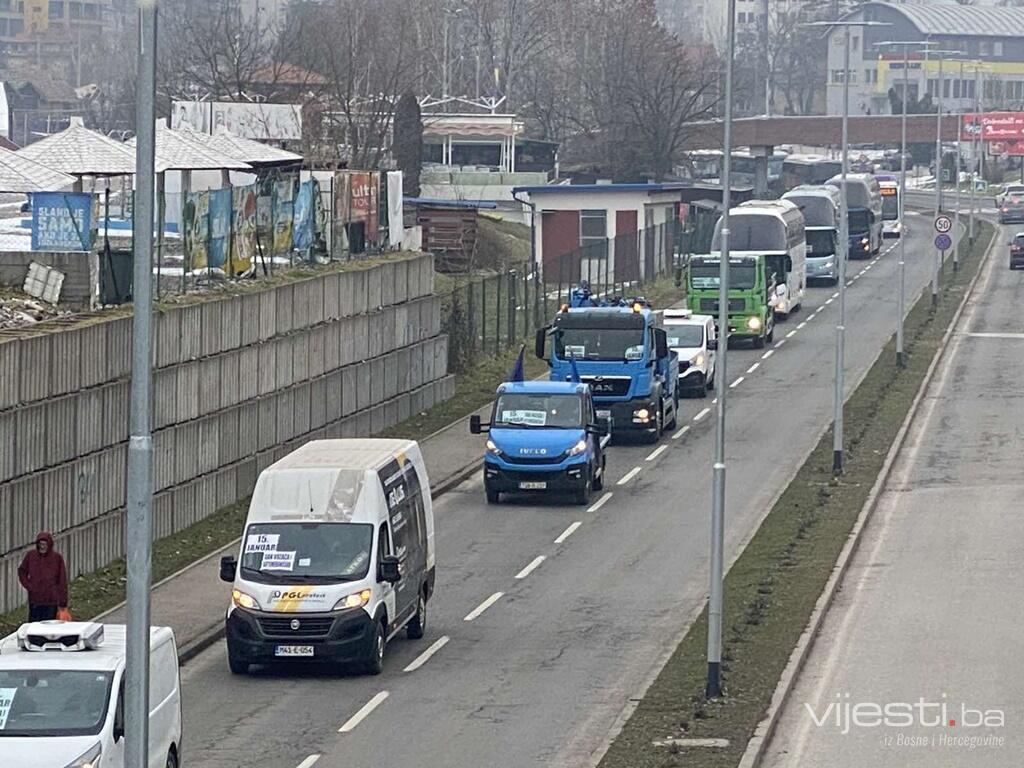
x,y
583,494
653,435
493,496
672,423
771,335
759,342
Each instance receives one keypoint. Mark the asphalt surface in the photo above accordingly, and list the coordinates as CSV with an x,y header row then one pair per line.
x,y
539,677
928,609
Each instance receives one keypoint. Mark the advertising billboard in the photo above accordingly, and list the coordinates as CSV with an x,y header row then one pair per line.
x,y
262,122
993,126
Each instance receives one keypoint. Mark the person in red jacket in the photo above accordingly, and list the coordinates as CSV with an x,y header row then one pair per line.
x,y
44,577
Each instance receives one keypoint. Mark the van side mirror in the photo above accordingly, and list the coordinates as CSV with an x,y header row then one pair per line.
x,y
660,343
228,567
476,426
599,427
390,570
712,345
539,339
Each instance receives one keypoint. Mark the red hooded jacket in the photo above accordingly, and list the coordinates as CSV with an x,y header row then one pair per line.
x,y
44,576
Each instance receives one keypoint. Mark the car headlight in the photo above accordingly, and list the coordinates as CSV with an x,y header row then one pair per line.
x,y
754,323
698,360
243,600
493,449
88,759
579,448
355,600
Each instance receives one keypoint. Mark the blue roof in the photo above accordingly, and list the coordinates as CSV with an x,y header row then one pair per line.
x,y
441,203
563,188
541,387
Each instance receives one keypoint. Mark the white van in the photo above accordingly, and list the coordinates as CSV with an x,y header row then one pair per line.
x,y
337,556
62,696
693,338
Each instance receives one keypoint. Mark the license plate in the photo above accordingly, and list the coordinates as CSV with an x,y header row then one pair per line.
x,y
532,486
293,650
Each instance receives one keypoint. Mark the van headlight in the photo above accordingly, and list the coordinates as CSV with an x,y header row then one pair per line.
x,y
754,323
88,759
243,600
698,361
356,600
493,449
579,448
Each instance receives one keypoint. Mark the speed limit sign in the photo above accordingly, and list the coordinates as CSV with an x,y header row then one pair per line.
x,y
943,224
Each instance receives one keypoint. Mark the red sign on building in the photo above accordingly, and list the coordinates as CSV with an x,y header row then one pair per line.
x,y
993,126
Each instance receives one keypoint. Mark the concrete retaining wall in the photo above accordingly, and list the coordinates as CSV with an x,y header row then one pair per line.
x,y
240,381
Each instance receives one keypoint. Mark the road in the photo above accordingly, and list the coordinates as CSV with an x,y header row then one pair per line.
x,y
549,660
928,606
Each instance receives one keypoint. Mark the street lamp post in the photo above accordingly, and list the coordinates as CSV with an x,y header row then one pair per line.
x,y
844,237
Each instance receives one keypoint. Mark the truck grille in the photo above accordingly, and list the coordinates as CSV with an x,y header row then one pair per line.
x,y
711,305
607,387
534,460
308,627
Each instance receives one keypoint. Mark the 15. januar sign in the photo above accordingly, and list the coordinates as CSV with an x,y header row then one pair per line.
x,y
61,221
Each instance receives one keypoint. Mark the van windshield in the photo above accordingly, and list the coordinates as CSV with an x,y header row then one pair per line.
x,y
518,409
306,553
685,336
51,702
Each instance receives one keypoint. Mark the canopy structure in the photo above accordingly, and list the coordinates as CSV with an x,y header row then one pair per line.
x,y
255,153
22,175
82,152
178,151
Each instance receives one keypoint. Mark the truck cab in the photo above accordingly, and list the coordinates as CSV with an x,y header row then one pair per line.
x,y
751,290
693,338
623,354
543,436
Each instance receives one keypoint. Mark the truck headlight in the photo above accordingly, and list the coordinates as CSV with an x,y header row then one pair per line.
x,y
492,448
356,600
641,414
88,759
754,323
579,448
243,600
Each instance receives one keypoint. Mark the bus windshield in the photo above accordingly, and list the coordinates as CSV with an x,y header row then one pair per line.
x,y
752,233
859,221
817,211
821,243
890,207
704,275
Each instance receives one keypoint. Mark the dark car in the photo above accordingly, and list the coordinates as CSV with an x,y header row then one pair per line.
x,y
1017,251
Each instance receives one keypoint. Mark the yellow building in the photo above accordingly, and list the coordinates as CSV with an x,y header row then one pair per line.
x,y
23,22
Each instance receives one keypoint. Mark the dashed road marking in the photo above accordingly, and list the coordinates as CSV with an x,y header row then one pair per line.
x,y
629,476
703,413
424,657
568,532
309,761
531,566
475,613
768,354
681,432
753,368
600,502
801,325
737,382
657,452
363,713
835,295
791,334
779,343
829,301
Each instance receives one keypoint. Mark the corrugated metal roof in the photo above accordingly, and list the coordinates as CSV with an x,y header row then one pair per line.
x,y
175,151
82,152
954,20
246,150
21,174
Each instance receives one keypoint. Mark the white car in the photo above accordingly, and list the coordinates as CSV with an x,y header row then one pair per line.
x,y
693,338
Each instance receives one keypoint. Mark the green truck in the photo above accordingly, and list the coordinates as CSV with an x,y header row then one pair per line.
x,y
751,286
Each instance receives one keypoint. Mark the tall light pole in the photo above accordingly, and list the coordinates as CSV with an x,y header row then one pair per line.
x,y
906,45
139,507
844,237
715,598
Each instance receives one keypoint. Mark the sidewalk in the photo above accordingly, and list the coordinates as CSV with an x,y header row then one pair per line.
x,y
193,601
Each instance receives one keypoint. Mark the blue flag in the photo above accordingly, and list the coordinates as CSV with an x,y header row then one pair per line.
x,y
575,373
518,373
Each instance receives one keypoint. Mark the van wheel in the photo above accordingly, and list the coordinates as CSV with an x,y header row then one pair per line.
x,y
237,666
493,496
172,759
599,478
583,494
374,664
416,628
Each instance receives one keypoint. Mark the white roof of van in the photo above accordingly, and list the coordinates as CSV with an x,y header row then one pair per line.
x,y
351,453
107,657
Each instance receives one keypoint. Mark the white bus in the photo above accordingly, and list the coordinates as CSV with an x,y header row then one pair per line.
x,y
890,190
774,229
820,206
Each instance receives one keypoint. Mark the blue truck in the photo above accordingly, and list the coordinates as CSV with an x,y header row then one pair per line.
x,y
621,351
543,436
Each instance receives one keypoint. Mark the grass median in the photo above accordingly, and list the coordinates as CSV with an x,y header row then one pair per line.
x,y
771,590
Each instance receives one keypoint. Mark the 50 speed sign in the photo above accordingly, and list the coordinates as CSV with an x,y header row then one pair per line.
x,y
943,224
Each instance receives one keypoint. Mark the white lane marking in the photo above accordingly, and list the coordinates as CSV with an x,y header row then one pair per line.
x,y
424,657
829,301
363,713
681,432
779,343
531,567
714,401
869,266
768,354
737,382
568,532
980,335
309,761
702,414
753,368
484,606
849,283
629,475
600,502
791,334
801,325
656,453
835,295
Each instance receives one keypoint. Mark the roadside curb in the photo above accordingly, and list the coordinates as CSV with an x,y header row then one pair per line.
x,y
758,743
